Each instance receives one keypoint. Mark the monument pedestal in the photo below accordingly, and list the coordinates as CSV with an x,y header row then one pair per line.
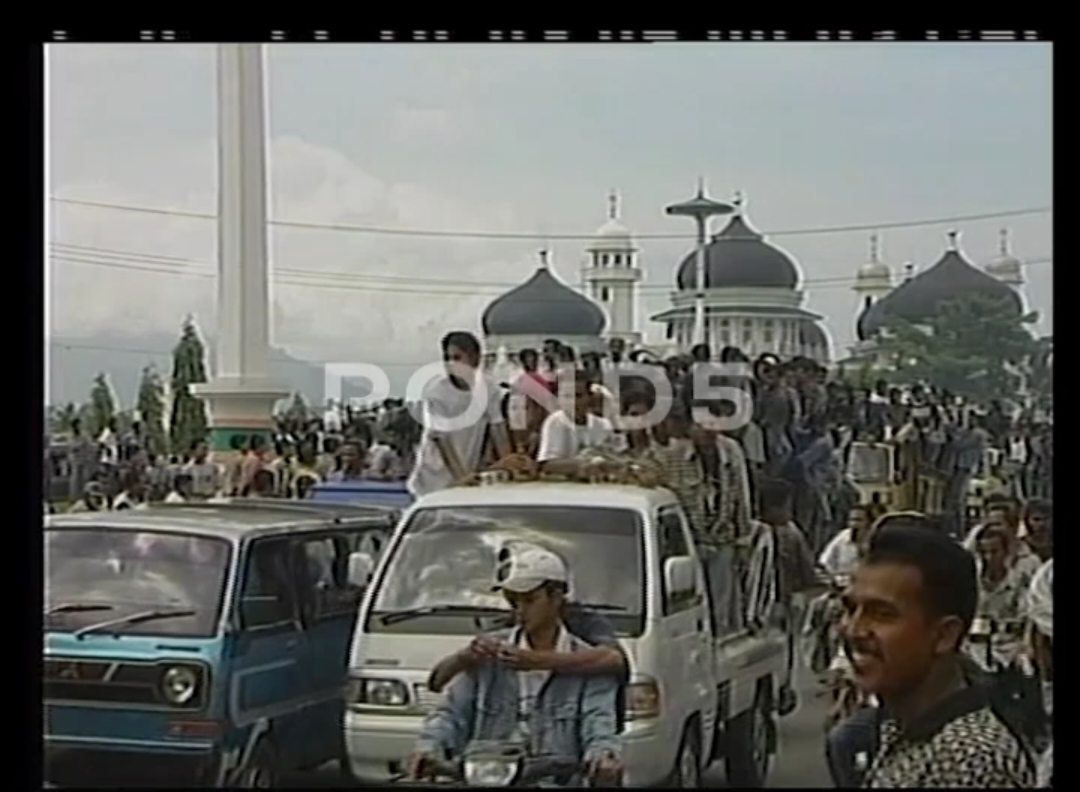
x,y
239,409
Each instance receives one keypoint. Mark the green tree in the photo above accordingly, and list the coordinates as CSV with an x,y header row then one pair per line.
x,y
975,346
62,419
151,406
188,422
102,405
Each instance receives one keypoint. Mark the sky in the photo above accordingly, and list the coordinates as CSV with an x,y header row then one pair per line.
x,y
529,139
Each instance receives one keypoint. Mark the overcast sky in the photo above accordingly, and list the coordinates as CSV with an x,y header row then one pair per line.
x,y
530,138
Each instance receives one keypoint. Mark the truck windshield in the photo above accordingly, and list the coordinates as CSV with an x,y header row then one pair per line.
x,y
444,565
95,575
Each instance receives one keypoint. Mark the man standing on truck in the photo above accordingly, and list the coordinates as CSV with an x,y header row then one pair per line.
x,y
451,446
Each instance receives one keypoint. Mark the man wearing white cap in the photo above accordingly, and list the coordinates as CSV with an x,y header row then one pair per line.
x,y
603,656
522,704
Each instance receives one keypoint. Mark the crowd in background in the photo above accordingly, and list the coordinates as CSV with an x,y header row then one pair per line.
x,y
802,426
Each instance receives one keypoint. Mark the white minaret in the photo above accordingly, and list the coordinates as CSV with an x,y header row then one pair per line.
x,y
241,396
611,275
873,280
1007,268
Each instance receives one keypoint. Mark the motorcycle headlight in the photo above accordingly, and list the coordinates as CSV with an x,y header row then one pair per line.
x,y
378,692
179,684
490,772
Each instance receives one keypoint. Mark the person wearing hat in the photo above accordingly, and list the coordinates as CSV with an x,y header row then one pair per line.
x,y
521,702
603,655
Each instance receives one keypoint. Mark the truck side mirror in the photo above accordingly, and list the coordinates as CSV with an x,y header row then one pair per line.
x,y
361,566
679,577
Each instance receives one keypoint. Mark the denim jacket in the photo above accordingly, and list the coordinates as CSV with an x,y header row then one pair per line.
x,y
574,715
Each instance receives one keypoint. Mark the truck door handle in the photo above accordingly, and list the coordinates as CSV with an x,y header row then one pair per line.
x,y
290,644
695,656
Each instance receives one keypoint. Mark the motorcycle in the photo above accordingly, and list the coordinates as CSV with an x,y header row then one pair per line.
x,y
499,764
821,641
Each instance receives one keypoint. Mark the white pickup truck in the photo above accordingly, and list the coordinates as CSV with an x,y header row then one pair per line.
x,y
694,698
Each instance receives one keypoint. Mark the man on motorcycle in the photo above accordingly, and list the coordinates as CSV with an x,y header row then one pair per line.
x,y
529,706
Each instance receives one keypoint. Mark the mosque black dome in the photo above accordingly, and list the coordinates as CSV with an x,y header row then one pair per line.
x,y
739,257
544,306
920,298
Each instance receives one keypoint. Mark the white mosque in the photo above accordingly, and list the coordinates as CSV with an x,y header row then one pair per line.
x,y
751,299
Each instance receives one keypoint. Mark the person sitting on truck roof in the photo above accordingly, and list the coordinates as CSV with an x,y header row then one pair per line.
x,y
603,655
566,435
528,701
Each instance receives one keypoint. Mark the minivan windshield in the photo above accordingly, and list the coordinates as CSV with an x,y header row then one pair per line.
x,y
97,575
444,565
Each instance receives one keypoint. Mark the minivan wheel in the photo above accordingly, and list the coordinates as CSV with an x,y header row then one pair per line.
x,y
260,771
687,771
749,746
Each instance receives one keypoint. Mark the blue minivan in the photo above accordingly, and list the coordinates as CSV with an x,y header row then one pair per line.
x,y
201,644
390,494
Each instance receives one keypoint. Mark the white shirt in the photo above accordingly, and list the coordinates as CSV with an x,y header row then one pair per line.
x,y
175,497
442,399
840,554
561,438
205,478
381,458
530,683
332,420
125,501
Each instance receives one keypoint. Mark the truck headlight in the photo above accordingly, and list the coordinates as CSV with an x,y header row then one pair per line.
x,y
179,684
378,692
487,772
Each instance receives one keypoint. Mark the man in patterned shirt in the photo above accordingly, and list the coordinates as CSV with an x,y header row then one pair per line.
x,y
707,472
909,607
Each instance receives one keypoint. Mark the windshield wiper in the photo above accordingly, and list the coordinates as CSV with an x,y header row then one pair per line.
x,y
76,607
396,617
600,606
134,618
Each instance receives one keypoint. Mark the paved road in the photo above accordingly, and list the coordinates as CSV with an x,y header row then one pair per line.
x,y
799,761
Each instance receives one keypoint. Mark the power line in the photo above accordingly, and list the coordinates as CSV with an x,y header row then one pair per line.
x,y
159,353
172,265
416,232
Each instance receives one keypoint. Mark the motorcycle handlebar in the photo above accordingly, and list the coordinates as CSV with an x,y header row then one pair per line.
x,y
533,769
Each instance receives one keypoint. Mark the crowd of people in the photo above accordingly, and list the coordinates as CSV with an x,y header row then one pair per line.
x,y
923,606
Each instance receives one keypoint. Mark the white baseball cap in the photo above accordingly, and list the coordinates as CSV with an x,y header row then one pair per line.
x,y
526,567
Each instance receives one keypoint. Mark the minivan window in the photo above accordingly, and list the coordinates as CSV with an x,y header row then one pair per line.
x,y
94,575
446,559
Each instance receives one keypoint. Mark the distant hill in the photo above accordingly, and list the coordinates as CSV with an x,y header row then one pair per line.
x,y
74,362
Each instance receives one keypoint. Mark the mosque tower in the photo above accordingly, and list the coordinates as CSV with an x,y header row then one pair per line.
x,y
611,275
873,280
1007,268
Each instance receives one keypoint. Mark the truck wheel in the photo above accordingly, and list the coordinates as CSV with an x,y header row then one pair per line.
x,y
687,771
748,750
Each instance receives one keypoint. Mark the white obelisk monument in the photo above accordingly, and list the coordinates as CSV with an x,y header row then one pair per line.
x,y
240,396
